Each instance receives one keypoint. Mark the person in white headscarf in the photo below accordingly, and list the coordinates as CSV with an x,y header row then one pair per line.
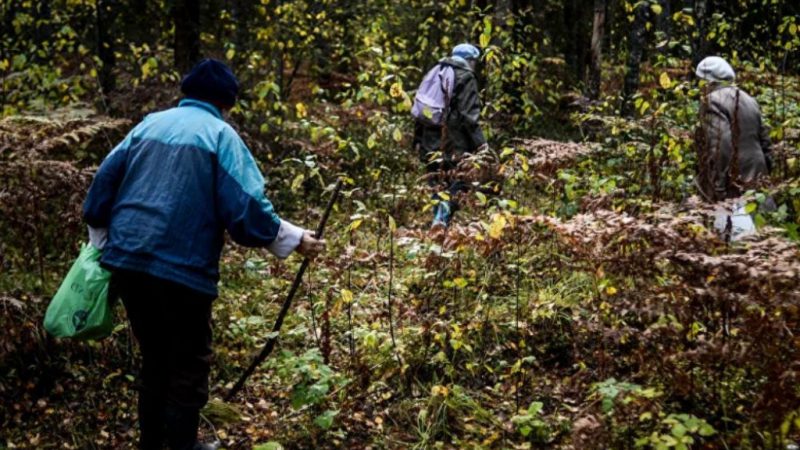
x,y
733,144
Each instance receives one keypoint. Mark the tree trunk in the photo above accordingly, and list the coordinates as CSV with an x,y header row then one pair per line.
x,y
44,26
186,17
502,8
244,12
598,31
569,42
635,49
576,24
105,44
699,43
664,25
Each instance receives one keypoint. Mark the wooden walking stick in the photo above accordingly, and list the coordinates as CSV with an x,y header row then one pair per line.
x,y
286,303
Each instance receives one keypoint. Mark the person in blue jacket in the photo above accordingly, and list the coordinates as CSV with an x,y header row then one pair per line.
x,y
158,206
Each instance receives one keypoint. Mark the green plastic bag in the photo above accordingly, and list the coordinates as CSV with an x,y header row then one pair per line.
x,y
81,308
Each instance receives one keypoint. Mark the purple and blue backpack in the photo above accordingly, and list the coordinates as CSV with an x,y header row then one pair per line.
x,y
433,96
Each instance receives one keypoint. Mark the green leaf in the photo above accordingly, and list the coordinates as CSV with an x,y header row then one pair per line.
x,y
325,420
271,445
535,408
706,430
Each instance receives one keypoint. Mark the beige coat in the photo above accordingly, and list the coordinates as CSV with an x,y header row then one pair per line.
x,y
733,144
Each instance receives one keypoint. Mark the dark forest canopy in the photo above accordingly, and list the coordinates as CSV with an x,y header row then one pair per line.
x,y
70,49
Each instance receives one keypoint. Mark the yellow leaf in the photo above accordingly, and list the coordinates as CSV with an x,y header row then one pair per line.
x,y
230,54
439,390
484,40
392,224
656,8
301,110
298,182
644,107
347,296
397,135
496,228
396,90
355,224
664,80
611,290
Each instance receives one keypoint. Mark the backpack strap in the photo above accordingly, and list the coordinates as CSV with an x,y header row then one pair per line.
x,y
446,113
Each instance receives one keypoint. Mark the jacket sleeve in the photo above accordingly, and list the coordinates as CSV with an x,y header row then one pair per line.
x,y
242,205
103,191
717,126
469,109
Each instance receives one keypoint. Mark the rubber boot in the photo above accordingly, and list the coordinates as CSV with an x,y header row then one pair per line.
x,y
182,425
446,212
442,214
437,216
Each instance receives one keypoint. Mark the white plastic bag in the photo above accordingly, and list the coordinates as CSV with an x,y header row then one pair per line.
x,y
741,223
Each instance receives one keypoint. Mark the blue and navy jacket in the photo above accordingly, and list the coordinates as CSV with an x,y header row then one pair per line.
x,y
168,191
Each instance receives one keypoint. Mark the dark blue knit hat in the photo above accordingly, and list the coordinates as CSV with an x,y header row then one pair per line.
x,y
211,80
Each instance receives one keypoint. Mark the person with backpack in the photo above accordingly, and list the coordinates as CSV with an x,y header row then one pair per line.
x,y
158,207
447,110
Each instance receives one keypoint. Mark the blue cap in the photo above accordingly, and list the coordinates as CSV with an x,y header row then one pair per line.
x,y
466,51
213,81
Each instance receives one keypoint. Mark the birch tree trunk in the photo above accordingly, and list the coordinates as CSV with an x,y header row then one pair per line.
x,y
635,49
598,31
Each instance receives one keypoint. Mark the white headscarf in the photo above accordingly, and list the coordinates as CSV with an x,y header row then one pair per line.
x,y
716,69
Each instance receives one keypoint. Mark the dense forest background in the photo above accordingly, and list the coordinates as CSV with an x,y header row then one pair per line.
x,y
580,300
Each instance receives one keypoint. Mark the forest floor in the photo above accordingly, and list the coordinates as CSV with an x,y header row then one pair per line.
x,y
621,324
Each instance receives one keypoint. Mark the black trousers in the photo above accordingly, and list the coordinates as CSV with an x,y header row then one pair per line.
x,y
172,324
